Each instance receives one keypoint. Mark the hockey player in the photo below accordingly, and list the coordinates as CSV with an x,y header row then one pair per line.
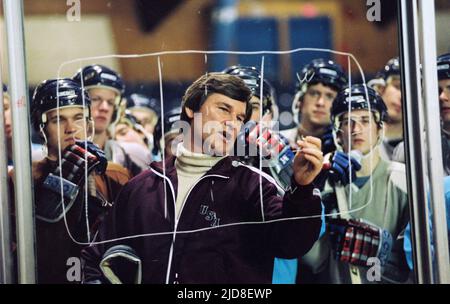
x,y
168,143
252,78
260,121
36,151
370,214
210,189
321,75
285,270
387,83
129,130
131,137
278,149
60,112
145,110
443,67
8,122
317,87
105,88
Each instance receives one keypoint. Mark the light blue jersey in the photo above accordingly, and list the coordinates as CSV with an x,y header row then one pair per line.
x,y
407,246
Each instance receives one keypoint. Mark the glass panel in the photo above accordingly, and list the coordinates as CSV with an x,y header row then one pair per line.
x,y
136,59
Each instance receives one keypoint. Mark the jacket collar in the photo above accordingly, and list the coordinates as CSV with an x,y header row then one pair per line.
x,y
224,167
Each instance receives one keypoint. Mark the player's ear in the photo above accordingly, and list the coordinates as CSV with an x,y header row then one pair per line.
x,y
189,112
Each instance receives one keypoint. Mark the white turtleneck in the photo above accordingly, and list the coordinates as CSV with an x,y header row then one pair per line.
x,y
190,167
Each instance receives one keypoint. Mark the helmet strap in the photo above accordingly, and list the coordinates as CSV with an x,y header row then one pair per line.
x,y
44,146
378,143
44,117
90,125
296,105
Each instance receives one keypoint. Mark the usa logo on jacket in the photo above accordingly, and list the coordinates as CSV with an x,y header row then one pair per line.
x,y
210,215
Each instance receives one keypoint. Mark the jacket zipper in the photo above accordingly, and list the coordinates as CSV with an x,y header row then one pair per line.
x,y
187,196
179,216
169,265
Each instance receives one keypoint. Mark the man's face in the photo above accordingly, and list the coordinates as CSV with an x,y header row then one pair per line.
x,y
316,105
102,108
145,119
72,126
7,109
392,96
363,131
444,100
255,102
125,133
222,117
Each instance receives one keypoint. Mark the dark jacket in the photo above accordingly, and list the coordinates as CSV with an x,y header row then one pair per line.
x,y
54,246
224,199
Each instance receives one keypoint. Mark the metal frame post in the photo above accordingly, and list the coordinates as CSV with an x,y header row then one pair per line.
x,y
13,10
434,146
413,126
5,227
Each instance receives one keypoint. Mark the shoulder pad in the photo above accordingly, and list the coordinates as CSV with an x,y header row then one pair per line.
x,y
117,169
397,174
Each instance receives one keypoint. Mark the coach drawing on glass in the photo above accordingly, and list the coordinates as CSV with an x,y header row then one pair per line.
x,y
205,189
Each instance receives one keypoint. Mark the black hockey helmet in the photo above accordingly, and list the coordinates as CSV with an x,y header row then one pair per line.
x,y
252,78
358,97
54,93
392,68
443,66
128,119
170,118
140,101
97,75
322,71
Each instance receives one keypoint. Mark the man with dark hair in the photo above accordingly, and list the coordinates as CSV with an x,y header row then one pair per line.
x,y
387,83
198,92
216,220
60,112
368,215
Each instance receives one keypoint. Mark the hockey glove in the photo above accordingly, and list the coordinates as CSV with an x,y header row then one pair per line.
x,y
355,241
276,149
341,167
61,192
